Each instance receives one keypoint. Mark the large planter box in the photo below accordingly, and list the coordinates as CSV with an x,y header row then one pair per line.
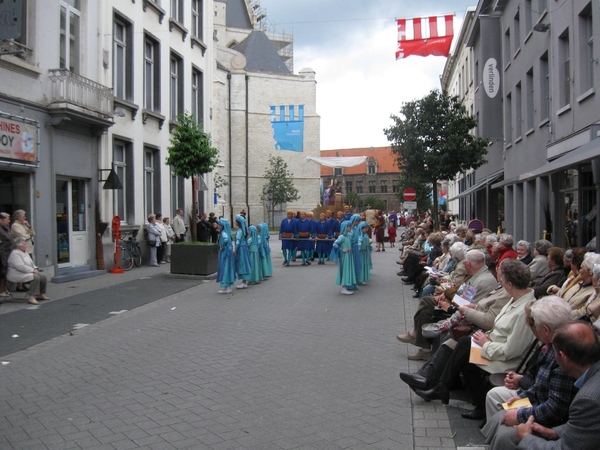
x,y
193,259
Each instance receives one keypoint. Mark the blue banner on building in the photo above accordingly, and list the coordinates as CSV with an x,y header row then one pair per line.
x,y
288,127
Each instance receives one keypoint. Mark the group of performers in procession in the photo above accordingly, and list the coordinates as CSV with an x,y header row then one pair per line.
x,y
344,239
249,260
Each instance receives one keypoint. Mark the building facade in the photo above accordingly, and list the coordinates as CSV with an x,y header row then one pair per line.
x,y
376,177
54,111
158,57
535,68
255,95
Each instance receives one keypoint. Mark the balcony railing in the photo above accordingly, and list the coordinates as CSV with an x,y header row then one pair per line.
x,y
70,89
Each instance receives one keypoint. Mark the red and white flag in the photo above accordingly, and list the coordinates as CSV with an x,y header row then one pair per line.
x,y
425,36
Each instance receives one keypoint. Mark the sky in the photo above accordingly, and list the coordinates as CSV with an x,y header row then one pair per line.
x,y
351,45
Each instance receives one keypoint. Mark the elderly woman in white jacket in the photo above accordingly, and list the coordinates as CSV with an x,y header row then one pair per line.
x,y
21,269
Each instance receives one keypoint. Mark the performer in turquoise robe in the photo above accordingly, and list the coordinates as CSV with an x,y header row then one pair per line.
x,y
346,275
243,267
254,247
267,264
356,232
364,243
226,265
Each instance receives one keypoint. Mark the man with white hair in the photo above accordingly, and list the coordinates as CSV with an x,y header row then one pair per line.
x,y
553,389
577,351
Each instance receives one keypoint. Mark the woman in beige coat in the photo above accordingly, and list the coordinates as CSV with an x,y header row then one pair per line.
x,y
21,229
22,270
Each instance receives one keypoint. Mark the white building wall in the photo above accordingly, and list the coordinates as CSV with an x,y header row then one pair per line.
x,y
141,128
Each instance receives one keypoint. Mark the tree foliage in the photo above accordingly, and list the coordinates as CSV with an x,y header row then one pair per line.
x,y
372,202
352,199
279,187
432,140
191,152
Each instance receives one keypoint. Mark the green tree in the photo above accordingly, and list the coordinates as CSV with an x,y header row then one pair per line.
x,y
191,152
372,202
433,141
279,187
352,199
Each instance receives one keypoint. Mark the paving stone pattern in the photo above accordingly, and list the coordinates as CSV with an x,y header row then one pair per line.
x,y
286,364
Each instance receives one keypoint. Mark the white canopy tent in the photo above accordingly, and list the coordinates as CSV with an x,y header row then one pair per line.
x,y
338,162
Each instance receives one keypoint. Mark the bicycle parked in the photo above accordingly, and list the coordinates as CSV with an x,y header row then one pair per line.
x,y
130,252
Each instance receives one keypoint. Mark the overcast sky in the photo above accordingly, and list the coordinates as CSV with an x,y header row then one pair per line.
x,y
351,45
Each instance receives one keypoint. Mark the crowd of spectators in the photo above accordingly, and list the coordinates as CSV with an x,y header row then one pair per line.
x,y
516,325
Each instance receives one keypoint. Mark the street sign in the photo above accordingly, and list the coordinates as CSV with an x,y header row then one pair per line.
x,y
476,224
410,205
410,194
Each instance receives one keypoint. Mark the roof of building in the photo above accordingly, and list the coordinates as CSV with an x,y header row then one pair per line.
x,y
386,160
261,55
237,15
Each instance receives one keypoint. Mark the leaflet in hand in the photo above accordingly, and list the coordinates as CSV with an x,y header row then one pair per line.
x,y
521,403
464,294
433,271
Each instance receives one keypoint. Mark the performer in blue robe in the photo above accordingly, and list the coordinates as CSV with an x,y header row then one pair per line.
x,y
287,231
347,214
305,242
322,232
226,266
243,267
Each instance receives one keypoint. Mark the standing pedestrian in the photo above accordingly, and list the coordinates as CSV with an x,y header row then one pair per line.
x,y
170,239
392,234
153,239
179,226
160,250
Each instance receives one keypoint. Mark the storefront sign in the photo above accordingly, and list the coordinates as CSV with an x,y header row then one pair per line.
x,y
18,140
491,78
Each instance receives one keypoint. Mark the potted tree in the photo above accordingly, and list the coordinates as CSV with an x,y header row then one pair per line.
x,y
191,154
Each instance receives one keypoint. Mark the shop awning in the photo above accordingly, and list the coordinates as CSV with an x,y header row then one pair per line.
x,y
582,154
338,162
479,185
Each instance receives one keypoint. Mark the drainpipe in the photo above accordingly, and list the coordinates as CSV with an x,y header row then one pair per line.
x,y
229,139
247,150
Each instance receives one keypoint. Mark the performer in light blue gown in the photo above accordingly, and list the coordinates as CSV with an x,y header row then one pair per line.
x,y
264,237
342,251
254,246
226,267
364,243
243,267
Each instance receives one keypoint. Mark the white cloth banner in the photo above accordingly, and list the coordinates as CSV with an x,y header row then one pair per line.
x,y
338,162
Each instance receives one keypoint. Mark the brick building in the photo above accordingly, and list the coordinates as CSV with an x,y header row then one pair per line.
x,y
375,177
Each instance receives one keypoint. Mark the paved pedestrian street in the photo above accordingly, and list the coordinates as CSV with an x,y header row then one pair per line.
x,y
289,363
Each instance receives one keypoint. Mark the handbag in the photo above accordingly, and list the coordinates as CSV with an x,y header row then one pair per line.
x,y
459,330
